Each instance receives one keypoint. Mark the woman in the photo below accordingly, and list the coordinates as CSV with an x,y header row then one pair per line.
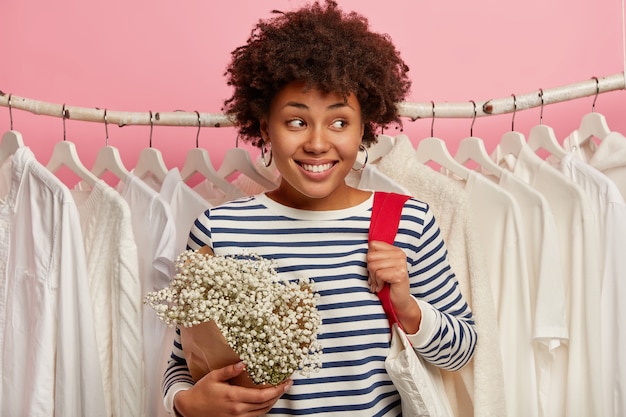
x,y
310,88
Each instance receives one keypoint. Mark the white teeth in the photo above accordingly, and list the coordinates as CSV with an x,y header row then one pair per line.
x,y
317,168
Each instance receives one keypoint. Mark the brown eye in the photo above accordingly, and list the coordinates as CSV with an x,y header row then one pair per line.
x,y
296,123
339,124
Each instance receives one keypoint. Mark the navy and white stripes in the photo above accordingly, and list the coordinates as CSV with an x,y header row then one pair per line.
x,y
330,247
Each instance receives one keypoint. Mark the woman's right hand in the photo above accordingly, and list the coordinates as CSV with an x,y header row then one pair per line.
x,y
214,396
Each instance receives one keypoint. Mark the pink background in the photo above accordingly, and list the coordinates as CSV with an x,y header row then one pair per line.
x,y
162,55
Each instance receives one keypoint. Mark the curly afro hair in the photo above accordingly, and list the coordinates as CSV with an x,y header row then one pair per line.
x,y
326,49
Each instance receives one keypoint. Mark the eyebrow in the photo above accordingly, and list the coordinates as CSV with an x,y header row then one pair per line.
x,y
304,106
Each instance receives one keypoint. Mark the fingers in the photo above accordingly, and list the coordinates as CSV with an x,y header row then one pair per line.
x,y
386,264
228,372
258,401
214,392
271,393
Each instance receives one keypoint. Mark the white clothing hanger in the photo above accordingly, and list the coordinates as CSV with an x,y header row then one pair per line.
x,y
592,124
239,160
64,153
511,143
435,150
150,161
543,137
108,158
377,150
199,161
473,149
11,142
11,139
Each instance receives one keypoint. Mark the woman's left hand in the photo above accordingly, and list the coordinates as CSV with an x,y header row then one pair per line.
x,y
387,264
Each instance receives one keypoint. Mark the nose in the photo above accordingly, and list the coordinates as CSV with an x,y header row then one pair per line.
x,y
316,142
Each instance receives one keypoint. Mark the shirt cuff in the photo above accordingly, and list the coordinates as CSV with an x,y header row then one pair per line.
x,y
431,322
168,400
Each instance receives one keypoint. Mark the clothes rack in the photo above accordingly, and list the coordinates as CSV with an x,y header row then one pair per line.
x,y
412,110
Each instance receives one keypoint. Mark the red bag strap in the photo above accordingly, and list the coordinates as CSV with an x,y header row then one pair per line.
x,y
386,213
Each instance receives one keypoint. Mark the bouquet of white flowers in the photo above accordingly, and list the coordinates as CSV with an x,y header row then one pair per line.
x,y
232,308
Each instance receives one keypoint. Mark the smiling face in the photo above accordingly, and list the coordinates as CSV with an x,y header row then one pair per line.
x,y
315,139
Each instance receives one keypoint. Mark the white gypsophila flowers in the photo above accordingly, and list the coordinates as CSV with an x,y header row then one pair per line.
x,y
272,325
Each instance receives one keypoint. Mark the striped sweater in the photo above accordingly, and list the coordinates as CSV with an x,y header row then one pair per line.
x,y
330,247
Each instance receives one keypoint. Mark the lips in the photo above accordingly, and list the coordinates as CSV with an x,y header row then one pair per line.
x,y
317,167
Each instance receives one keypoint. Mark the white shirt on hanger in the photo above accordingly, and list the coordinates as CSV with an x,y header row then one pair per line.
x,y
499,220
113,275
576,380
610,223
155,233
609,157
547,288
48,350
186,205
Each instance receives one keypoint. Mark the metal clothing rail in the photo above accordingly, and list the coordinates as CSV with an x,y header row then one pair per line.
x,y
412,110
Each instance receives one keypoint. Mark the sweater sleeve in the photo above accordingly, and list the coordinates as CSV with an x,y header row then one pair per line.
x,y
447,337
177,376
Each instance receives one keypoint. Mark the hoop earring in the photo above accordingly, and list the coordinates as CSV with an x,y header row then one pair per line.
x,y
269,150
363,149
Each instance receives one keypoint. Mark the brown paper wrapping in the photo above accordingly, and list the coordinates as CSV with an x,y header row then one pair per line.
x,y
206,349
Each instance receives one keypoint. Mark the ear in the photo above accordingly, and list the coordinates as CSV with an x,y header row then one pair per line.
x,y
264,130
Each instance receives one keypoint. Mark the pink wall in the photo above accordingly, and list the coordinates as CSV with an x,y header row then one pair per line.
x,y
162,56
